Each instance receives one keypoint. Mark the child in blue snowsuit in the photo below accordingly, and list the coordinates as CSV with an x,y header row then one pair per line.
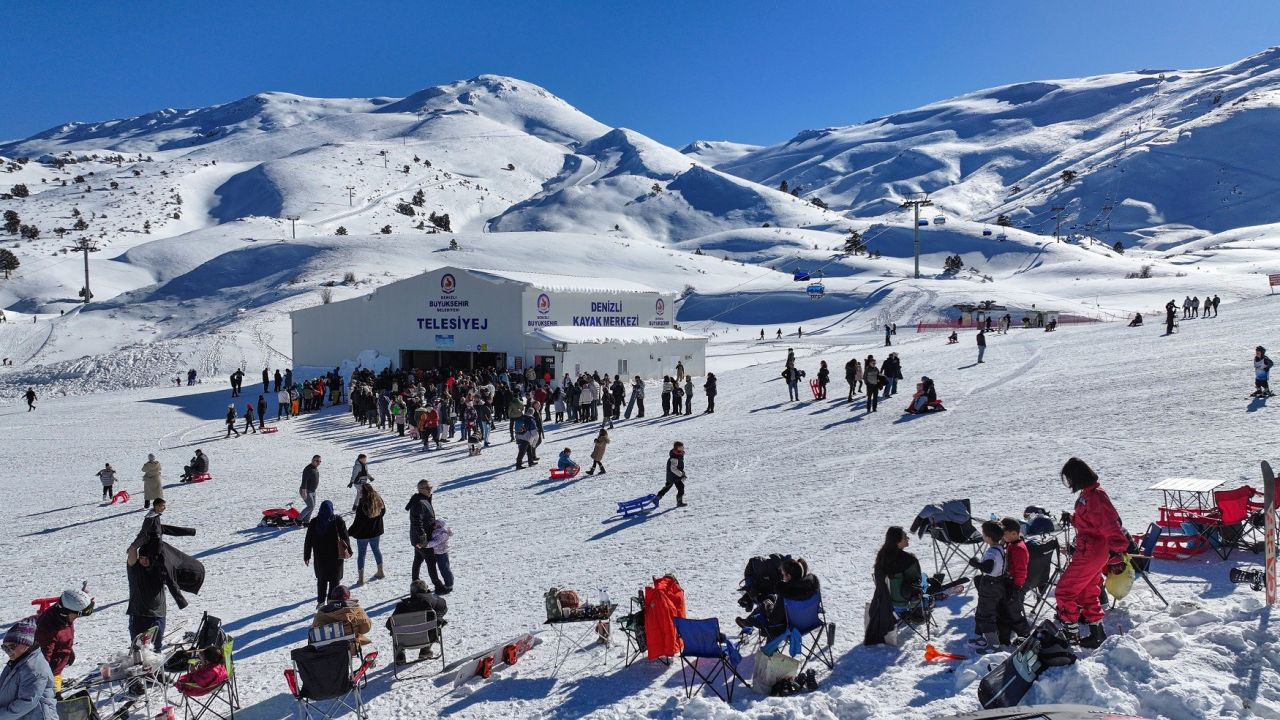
x,y
565,462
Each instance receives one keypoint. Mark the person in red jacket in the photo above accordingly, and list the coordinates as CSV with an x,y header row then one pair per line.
x,y
1100,538
56,631
1011,615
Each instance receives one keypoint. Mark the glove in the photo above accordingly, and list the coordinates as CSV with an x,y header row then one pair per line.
x,y
1115,564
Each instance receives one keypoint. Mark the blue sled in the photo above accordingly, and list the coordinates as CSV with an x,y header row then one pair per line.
x,y
639,505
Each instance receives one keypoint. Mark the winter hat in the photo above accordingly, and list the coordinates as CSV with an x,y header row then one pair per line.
x,y
22,632
339,592
75,600
1078,475
151,457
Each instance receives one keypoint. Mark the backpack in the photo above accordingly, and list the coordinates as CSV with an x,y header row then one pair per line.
x,y
522,425
762,575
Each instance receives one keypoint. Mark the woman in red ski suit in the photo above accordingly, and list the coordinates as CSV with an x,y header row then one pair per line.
x,y
1100,538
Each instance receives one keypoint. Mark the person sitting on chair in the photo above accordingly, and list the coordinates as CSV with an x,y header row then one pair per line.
x,y
421,598
208,675
899,568
1136,321
342,608
565,462
770,615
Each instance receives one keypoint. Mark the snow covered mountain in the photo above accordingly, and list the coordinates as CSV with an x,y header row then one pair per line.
x,y
183,206
1147,151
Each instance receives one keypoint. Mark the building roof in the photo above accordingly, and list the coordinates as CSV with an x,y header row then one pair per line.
x,y
566,283
624,335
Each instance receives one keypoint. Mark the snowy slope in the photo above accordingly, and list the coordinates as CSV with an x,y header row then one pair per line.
x,y
715,152
820,480
1149,149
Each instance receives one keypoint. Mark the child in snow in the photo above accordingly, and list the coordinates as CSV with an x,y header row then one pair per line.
x,y
1261,372
439,547
991,585
557,399
564,462
597,451
474,441
1013,619
108,477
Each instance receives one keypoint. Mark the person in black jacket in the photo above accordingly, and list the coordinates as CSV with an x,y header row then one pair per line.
x,y
262,412
982,343
892,373
770,615
199,465
149,574
367,530
824,377
675,476
231,422
422,519
325,533
421,598
710,387
248,419
307,491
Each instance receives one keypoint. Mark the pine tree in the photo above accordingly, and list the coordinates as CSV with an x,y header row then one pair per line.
x,y
340,231
1067,176
419,198
80,224
30,232
440,221
1003,221
1118,247
386,230
405,208
817,202
8,262
146,227
19,191
854,244
11,222
783,186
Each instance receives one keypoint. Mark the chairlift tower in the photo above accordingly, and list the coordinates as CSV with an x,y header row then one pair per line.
x,y
293,228
1057,221
85,245
915,201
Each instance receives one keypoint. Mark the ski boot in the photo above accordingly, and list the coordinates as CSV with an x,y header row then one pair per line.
x,y
1095,637
1070,632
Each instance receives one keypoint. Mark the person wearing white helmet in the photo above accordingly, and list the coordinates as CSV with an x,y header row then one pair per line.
x,y
56,632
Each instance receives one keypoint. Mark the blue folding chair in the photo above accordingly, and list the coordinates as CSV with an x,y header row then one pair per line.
x,y
1141,563
703,641
808,618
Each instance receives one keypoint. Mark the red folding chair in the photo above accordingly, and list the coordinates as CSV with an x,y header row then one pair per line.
x,y
1229,527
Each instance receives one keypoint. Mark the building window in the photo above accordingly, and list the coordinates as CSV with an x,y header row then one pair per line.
x,y
622,368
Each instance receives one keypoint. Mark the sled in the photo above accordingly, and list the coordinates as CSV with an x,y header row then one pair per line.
x,y
497,657
280,517
1269,525
816,388
931,406
1009,681
43,604
121,497
200,477
627,508
269,429
565,473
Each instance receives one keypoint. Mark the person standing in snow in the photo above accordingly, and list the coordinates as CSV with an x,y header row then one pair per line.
x,y
326,533
422,520
871,377
666,395
282,404
278,379
891,372
108,477
619,396
982,343
679,371
266,380
853,376
1195,306
792,377
824,377
1186,307
675,475
439,558
307,490
26,681
359,477
262,412
152,486
1261,372
56,631
367,530
1170,308
637,398
231,422
709,386
1100,538
1216,301
30,395
248,419
887,332
597,451
677,398
688,394
779,333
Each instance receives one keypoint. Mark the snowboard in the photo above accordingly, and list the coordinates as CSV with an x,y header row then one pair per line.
x,y
1006,684
1269,507
483,664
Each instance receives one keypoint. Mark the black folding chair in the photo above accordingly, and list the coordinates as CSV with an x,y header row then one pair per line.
x,y
1043,571
1141,562
323,683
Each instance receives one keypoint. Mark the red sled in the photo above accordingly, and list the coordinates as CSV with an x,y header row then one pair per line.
x,y
816,388
122,496
565,473
280,517
43,604
270,429
202,477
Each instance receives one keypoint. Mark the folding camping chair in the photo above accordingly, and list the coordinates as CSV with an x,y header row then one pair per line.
x,y
952,541
225,698
632,627
1141,562
1043,571
414,631
703,641
910,610
77,705
1229,526
323,683
808,618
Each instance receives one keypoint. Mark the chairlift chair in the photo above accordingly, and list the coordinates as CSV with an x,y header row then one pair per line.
x,y
922,222
986,232
800,276
1002,237
815,290
940,220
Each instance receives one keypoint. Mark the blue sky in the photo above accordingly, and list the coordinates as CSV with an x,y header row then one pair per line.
x,y
677,71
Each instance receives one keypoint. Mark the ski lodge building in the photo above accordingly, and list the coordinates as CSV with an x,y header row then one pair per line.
x,y
463,318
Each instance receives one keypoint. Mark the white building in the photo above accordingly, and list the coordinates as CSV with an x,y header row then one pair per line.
x,y
464,318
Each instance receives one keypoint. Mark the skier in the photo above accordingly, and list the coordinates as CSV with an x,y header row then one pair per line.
x,y
30,395
982,343
675,475
231,422
1261,373
1100,539
108,477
